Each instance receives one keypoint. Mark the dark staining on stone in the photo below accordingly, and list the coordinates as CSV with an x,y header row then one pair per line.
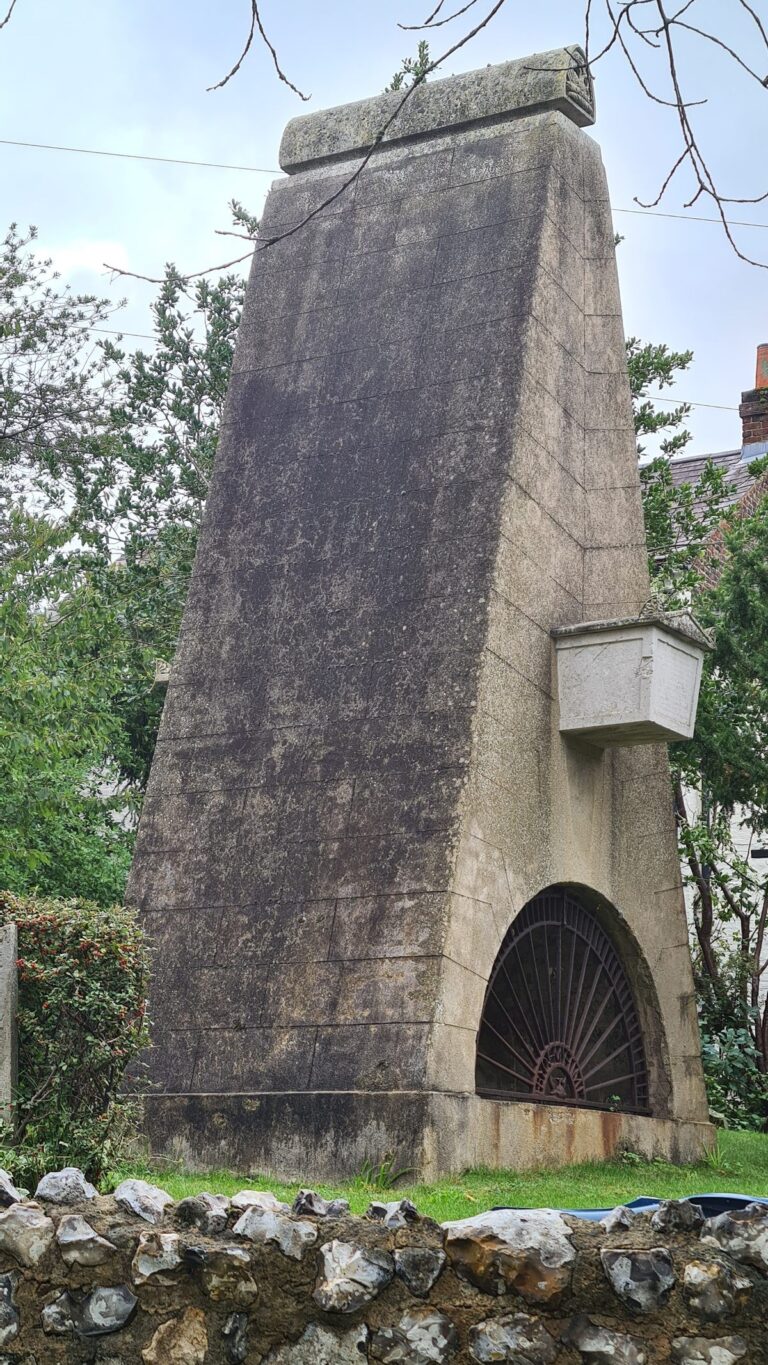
x,y
419,1268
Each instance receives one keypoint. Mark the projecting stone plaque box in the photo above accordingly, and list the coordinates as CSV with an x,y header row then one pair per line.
x,y
630,681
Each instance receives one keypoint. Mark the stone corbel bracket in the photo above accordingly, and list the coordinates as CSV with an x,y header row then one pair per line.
x,y
547,80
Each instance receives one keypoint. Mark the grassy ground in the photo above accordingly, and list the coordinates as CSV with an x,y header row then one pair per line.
x,y
740,1164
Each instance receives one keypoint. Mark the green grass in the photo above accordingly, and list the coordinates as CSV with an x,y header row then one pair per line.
x,y
740,1163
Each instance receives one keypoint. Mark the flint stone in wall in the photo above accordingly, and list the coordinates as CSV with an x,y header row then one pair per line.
x,y
319,1346
601,1346
180,1341
351,1277
8,1191
206,1212
743,1234
258,1199
106,1309
227,1277
507,1249
146,1201
397,1214
80,1244
9,1317
677,1215
516,1337
292,1235
422,1337
26,1232
712,1289
419,1268
157,1256
235,1334
643,1280
308,1201
58,1317
620,1217
708,1351
68,1186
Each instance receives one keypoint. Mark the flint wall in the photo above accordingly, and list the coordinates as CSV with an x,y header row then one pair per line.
x,y
135,1278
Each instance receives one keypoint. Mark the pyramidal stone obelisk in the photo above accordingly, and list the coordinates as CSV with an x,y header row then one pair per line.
x,y
393,909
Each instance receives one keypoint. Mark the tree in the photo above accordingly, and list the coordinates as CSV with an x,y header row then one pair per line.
x,y
713,557
62,808
53,379
105,460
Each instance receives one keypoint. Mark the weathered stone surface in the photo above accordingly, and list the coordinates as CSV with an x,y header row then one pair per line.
x,y
620,1217
157,1257
227,1278
258,1199
320,1346
309,1202
146,1201
743,1234
26,1232
292,1235
180,1341
9,1315
396,1214
351,1277
422,1336
601,1346
235,1334
80,1244
9,1194
206,1212
530,1252
714,1290
68,1186
537,81
708,1350
678,1215
643,1280
419,1267
516,1337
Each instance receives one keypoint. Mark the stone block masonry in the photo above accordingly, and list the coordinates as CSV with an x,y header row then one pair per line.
x,y
427,463
134,1279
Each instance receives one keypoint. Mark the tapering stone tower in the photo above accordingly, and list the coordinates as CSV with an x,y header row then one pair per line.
x,y
393,908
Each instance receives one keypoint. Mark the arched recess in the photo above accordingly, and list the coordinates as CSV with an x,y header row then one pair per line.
x,y
560,1022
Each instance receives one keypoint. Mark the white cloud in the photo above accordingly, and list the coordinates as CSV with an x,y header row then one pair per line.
x,y
86,256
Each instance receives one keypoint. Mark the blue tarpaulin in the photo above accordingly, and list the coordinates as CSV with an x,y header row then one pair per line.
x,y
710,1204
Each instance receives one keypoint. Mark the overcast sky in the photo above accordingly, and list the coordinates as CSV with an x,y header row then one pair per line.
x,y
131,76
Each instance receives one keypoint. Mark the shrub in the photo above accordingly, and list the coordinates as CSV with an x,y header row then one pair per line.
x,y
82,986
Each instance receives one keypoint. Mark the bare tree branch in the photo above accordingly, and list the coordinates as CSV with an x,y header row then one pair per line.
x,y
11,8
257,24
193,275
432,22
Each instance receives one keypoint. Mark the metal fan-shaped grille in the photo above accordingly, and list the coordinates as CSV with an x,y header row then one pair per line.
x,y
559,1023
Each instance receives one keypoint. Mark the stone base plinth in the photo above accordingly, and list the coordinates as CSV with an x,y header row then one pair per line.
x,y
328,1135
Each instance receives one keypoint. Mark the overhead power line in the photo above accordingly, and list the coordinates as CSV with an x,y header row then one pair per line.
x,y
654,397
690,403
692,217
138,156
271,170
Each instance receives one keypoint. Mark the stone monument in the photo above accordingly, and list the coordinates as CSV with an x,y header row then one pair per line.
x,y
394,910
